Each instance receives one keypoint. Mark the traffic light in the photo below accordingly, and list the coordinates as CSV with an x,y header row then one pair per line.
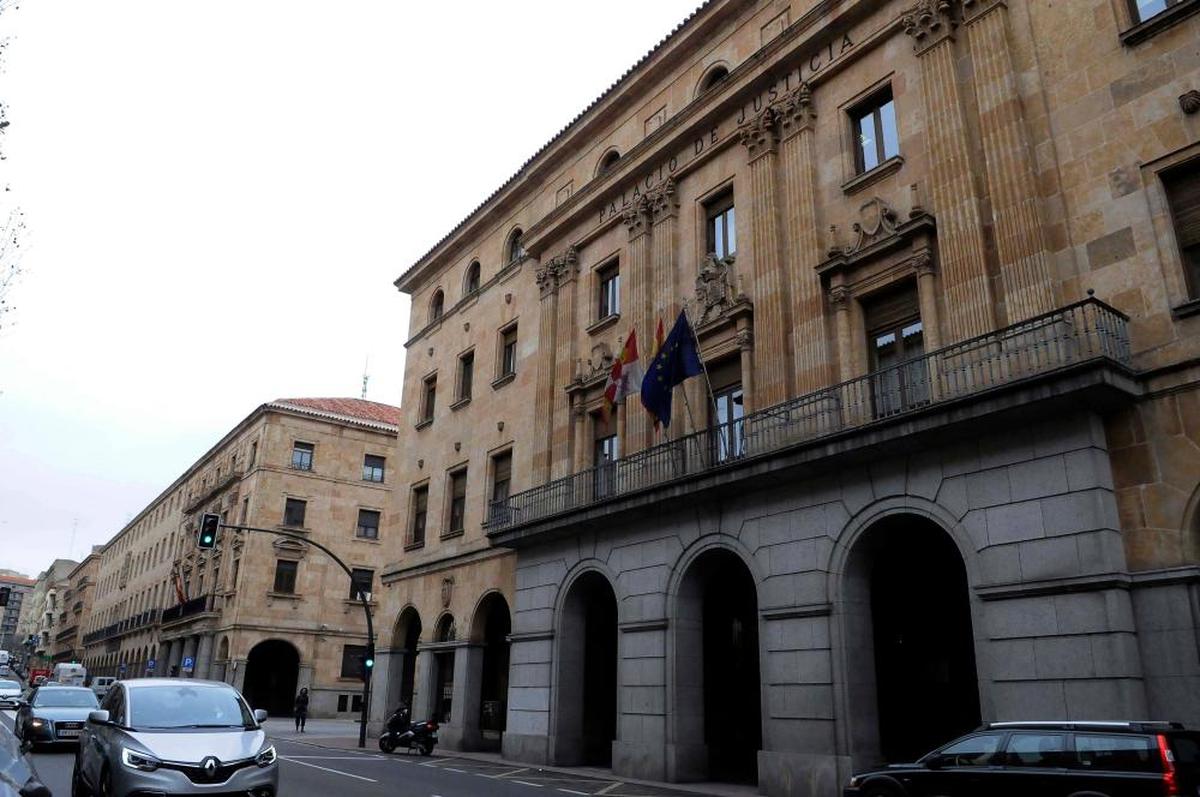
x,y
4,593
207,538
368,661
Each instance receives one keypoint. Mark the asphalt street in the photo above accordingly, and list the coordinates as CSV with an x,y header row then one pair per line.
x,y
311,770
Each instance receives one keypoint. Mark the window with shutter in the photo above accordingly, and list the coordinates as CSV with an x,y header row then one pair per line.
x,y
1183,194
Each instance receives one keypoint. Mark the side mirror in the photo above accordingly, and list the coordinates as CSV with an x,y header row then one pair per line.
x,y
35,788
98,717
260,716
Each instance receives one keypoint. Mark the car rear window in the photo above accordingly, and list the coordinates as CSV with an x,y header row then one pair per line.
x,y
1117,753
1186,748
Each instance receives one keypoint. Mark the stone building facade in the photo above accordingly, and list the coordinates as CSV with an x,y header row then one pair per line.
x,y
268,613
19,589
43,615
942,260
76,608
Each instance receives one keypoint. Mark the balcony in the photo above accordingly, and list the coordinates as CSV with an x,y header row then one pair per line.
x,y
1087,340
187,609
121,627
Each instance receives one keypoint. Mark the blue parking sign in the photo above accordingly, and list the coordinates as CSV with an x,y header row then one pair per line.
x,y
150,665
189,663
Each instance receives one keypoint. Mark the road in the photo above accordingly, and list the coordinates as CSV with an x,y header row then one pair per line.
x,y
310,770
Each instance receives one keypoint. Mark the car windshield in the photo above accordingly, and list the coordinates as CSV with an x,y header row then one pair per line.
x,y
186,706
10,685
65,698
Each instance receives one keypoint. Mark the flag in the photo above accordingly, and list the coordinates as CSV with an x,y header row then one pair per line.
x,y
179,593
675,361
626,373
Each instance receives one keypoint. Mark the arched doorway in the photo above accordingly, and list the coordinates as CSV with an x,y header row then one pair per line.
x,y
443,682
911,680
587,674
403,674
491,628
272,669
718,693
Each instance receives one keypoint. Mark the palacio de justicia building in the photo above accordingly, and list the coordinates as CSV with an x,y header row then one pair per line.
x,y
942,264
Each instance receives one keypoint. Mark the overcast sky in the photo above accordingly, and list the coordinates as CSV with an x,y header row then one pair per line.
x,y
218,197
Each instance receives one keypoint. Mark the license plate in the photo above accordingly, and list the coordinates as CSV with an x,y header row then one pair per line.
x,y
68,733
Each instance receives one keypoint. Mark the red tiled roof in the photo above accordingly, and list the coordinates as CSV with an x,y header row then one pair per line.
x,y
351,407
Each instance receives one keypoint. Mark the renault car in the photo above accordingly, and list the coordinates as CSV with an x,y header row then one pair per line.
x,y
160,736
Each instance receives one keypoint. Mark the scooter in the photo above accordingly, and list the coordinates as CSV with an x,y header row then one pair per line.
x,y
400,732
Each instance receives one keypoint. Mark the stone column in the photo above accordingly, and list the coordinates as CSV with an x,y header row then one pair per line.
x,y
175,658
544,394
927,299
579,420
424,686
566,270
204,656
636,217
839,297
1020,239
772,326
385,688
664,218
237,674
745,342
797,122
465,705
955,200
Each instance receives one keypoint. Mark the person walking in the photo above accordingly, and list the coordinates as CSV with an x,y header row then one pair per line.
x,y
301,712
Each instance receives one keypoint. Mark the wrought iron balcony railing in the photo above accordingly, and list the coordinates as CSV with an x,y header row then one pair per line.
x,y
1087,331
131,623
187,609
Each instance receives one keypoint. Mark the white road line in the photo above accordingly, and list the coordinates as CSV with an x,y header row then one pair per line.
x,y
506,774
336,757
610,787
572,791
327,769
452,769
527,783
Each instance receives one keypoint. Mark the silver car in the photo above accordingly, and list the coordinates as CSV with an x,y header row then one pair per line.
x,y
174,736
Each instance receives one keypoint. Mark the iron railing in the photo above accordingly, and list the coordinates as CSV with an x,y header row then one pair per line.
x,y
1085,331
186,609
131,623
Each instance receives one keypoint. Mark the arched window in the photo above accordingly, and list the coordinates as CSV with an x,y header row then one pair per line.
x,y
515,251
607,162
472,281
712,77
437,305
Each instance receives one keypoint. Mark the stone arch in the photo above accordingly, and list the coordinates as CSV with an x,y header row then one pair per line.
x,y
437,305
513,248
885,645
471,277
402,667
484,718
272,673
713,74
608,161
585,677
714,654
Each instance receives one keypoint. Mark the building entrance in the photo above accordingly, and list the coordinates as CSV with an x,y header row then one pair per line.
x,y
587,674
272,669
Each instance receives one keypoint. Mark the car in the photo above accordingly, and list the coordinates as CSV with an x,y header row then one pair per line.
x,y
175,736
10,693
1048,759
101,684
54,714
18,778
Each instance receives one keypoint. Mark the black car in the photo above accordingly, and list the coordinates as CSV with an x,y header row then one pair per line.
x,y
54,713
1049,759
17,775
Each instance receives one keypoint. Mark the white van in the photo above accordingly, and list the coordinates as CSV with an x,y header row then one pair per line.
x,y
72,674
101,685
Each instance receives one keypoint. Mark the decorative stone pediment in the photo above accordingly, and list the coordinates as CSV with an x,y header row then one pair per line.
x,y
878,236
877,221
286,548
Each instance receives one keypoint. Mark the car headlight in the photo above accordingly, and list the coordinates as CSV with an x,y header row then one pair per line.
x,y
856,781
135,760
266,757
37,722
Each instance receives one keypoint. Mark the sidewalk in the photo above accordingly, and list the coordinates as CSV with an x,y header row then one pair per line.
x,y
337,734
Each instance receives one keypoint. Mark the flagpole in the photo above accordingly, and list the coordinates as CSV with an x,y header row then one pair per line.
x,y
700,356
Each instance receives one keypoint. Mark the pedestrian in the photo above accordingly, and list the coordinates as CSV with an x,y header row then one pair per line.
x,y
301,709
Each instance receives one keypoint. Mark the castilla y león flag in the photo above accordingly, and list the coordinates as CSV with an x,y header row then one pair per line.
x,y
625,377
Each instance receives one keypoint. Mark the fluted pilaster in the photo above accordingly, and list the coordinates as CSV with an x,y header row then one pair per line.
x,y
772,329
965,283
566,267
545,393
637,220
1020,239
797,121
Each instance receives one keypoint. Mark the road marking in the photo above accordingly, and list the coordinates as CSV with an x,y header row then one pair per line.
x,y
572,791
506,774
452,769
327,769
610,787
335,757
527,783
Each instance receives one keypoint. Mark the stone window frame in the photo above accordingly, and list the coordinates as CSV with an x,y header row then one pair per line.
x,y
608,160
427,405
1179,294
358,527
715,195
855,178
437,306
1138,30
713,75
493,455
514,251
503,377
461,397
601,273
411,543
472,278
452,473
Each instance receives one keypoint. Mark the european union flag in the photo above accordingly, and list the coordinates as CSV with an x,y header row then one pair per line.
x,y
674,362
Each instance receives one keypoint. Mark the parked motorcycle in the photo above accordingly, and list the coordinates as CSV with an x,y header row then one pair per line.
x,y
399,731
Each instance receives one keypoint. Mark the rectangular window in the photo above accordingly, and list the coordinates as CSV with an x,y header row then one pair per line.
x,y
429,399
1143,10
253,452
302,456
606,448
728,409
508,351
466,375
1043,750
420,509
1116,753
352,660
285,576
501,476
875,131
609,277
722,226
1182,185
458,502
343,702
361,580
896,341
293,512
373,468
368,524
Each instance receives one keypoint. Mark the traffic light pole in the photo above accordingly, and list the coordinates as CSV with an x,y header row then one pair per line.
x,y
367,669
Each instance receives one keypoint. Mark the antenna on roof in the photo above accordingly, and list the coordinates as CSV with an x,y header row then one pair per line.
x,y
366,376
